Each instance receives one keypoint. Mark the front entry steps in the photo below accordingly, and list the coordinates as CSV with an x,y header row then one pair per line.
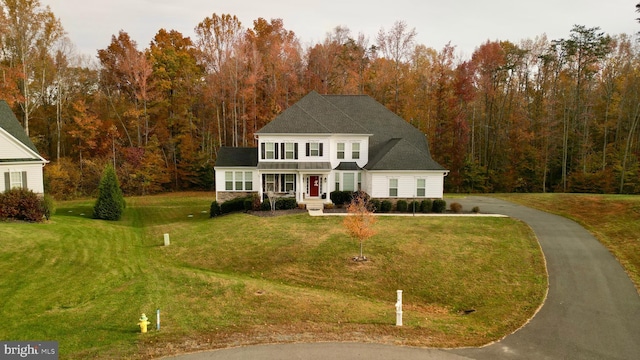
x,y
315,208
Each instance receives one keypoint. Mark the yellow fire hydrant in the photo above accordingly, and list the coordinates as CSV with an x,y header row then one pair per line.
x,y
143,323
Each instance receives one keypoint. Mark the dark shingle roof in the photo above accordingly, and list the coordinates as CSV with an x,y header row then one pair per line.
x,y
313,114
10,123
230,156
394,144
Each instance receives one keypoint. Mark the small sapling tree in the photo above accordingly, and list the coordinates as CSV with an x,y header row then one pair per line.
x,y
359,221
110,203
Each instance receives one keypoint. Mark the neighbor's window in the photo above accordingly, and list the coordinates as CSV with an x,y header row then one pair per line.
x,y
355,151
421,188
393,187
348,182
270,150
340,150
16,180
337,181
228,180
248,181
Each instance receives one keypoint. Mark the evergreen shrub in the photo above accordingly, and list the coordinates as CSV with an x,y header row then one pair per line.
x,y
439,206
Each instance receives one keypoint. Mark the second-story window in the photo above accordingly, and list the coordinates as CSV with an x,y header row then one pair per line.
x,y
289,151
355,151
270,150
340,150
314,149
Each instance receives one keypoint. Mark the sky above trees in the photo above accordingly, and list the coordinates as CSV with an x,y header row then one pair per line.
x,y
467,24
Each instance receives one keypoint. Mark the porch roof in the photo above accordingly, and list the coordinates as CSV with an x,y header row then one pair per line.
x,y
324,166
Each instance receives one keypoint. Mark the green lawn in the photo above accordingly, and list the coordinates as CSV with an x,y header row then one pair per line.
x,y
241,279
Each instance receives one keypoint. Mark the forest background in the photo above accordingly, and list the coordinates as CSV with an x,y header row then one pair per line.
x,y
540,115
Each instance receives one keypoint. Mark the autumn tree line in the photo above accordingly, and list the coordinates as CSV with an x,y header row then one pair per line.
x,y
540,115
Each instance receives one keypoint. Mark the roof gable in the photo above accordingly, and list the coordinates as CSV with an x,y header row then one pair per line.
x,y
400,154
313,114
15,145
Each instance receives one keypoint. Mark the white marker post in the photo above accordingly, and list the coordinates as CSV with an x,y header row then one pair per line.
x,y
166,240
399,309
158,319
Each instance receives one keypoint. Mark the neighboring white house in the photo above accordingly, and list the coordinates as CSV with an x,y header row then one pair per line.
x,y
20,163
325,143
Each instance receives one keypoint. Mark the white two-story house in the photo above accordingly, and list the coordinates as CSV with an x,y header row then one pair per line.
x,y
325,143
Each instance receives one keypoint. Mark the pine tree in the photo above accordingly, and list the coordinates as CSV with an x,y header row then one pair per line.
x,y
110,203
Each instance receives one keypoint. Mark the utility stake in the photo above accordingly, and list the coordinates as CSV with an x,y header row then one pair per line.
x,y
399,309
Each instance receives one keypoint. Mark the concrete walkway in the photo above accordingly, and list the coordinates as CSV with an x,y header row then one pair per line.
x,y
592,309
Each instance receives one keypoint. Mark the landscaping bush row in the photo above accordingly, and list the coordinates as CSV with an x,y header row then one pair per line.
x,y
424,206
24,205
249,203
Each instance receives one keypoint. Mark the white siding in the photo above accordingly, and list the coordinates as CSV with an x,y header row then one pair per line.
x,y
220,178
34,176
378,184
10,148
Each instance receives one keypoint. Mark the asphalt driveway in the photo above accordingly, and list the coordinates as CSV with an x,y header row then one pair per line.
x,y
592,309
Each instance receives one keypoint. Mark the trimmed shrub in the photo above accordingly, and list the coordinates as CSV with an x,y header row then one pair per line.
x,y
265,206
425,206
110,204
234,205
214,210
385,206
286,204
456,207
21,204
248,204
439,206
375,205
475,209
413,206
402,206
340,198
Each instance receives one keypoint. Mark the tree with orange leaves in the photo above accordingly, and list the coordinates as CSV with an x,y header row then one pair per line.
x,y
360,220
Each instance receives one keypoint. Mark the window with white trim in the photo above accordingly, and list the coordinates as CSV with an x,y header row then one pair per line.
x,y
340,150
239,180
355,151
270,150
348,182
16,180
270,182
337,181
289,182
289,151
228,180
359,181
421,188
393,187
314,149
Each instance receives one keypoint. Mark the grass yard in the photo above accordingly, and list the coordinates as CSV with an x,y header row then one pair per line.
x,y
241,279
613,219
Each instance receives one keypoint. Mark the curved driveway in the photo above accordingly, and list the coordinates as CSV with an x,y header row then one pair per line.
x,y
592,309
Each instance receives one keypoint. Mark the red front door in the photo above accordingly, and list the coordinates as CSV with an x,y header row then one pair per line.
x,y
314,186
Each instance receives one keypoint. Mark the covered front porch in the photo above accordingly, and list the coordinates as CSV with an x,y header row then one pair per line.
x,y
304,181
